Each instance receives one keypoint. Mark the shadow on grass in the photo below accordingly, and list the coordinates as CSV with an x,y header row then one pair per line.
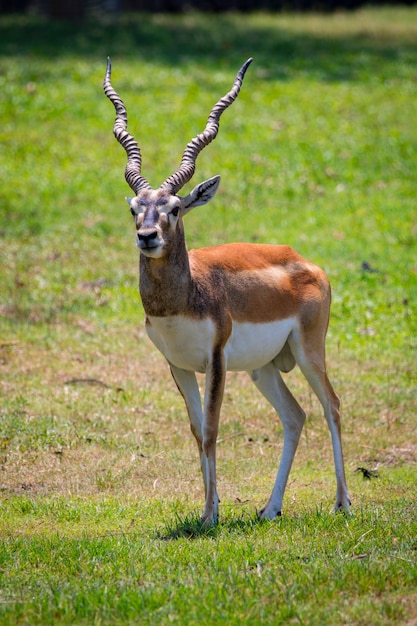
x,y
214,40
191,527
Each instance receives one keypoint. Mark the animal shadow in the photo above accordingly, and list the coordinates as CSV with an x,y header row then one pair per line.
x,y
191,527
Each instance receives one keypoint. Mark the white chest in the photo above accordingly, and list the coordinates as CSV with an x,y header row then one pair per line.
x,y
188,343
184,342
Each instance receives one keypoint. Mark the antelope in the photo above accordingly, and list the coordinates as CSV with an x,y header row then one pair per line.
x,y
234,307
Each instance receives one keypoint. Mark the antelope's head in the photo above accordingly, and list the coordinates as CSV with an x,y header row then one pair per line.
x,y
158,212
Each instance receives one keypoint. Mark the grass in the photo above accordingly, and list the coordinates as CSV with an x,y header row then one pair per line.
x,y
268,572
99,483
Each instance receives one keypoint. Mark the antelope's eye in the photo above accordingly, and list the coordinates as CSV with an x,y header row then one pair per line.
x,y
175,211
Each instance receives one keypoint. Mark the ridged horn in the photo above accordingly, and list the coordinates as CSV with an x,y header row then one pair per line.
x,y
187,167
134,158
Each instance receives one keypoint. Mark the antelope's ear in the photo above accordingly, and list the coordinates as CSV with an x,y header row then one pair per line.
x,y
201,194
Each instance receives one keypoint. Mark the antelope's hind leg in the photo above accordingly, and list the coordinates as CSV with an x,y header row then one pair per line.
x,y
270,383
311,360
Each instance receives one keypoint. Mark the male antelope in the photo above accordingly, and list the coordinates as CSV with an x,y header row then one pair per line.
x,y
238,306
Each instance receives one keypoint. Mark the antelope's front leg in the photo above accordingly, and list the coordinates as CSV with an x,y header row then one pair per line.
x,y
186,382
215,379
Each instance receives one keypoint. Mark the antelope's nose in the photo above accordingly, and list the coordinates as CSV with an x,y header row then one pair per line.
x,y
147,238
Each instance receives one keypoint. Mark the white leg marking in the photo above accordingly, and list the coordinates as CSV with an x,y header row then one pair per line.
x,y
187,384
269,381
314,370
215,380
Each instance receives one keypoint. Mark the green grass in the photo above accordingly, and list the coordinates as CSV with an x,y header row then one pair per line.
x,y
99,483
242,570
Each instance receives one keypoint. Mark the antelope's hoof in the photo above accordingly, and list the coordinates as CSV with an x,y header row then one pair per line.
x,y
207,521
265,514
343,506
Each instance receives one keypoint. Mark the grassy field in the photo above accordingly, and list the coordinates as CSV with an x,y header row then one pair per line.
x,y
100,489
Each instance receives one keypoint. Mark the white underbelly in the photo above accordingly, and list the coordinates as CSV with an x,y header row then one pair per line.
x,y
253,345
188,343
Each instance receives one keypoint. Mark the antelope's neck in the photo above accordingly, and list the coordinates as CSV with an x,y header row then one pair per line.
x,y
165,284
